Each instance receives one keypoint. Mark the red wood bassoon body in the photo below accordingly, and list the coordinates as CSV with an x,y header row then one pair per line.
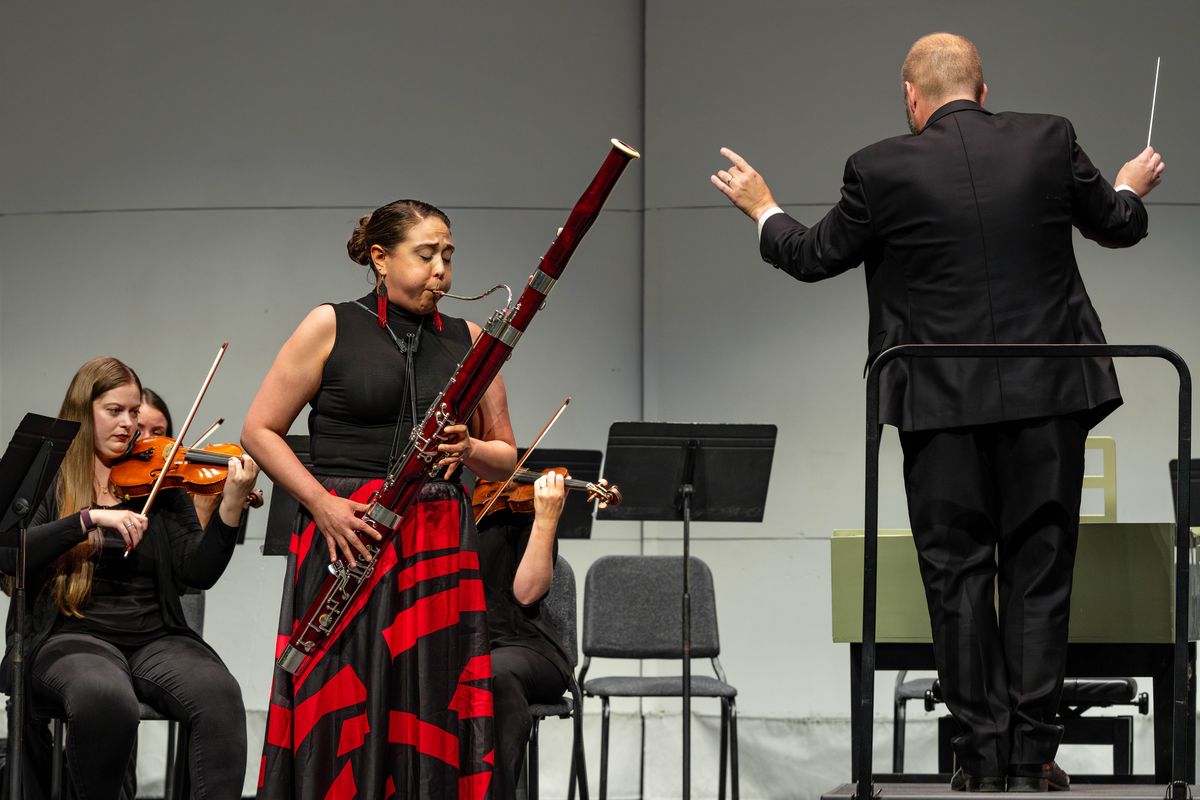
x,y
320,624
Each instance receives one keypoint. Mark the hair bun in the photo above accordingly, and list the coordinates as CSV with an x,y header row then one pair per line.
x,y
357,247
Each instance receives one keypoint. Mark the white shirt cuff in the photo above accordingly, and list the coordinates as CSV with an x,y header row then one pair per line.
x,y
1124,187
770,212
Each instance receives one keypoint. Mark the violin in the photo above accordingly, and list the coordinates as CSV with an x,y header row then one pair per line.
x,y
516,495
196,470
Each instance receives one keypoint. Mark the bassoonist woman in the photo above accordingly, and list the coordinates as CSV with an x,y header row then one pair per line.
x,y
396,700
389,694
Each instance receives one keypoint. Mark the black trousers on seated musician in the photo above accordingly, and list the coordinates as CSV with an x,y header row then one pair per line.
x,y
96,686
998,504
520,678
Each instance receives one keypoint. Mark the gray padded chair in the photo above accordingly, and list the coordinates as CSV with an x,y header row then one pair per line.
x,y
560,612
175,785
915,689
632,609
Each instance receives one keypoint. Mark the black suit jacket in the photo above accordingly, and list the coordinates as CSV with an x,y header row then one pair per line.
x,y
965,231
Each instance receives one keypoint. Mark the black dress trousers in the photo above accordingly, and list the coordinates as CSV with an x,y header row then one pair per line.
x,y
992,504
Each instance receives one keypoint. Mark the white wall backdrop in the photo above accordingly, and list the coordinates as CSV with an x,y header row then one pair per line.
x,y
175,176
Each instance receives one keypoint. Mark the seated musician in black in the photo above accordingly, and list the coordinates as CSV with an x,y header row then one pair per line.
x,y
516,558
105,627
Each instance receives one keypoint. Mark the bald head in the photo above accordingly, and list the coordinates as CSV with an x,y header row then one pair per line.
x,y
943,65
939,68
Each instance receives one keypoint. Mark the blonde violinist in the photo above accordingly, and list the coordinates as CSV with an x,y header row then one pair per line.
x,y
105,625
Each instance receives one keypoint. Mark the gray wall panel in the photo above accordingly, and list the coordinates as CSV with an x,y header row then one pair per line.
x,y
798,87
285,104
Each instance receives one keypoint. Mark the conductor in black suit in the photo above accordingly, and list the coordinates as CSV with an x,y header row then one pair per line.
x,y
965,230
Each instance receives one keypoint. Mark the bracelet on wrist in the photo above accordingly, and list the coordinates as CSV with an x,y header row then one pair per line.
x,y
85,520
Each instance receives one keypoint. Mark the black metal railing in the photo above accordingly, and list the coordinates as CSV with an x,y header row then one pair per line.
x,y
863,770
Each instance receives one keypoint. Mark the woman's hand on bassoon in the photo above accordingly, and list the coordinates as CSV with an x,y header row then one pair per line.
x,y
338,520
456,449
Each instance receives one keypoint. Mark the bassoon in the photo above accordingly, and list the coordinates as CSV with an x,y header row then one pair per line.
x,y
457,402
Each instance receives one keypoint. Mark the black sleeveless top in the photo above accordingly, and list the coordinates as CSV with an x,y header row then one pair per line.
x,y
362,394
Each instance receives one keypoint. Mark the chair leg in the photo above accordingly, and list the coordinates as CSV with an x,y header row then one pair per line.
x,y
180,779
578,759
604,714
169,780
531,764
572,776
521,790
947,728
733,747
724,749
57,762
1123,746
898,718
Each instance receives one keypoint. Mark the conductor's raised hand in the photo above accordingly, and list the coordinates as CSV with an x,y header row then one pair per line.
x,y
339,521
744,187
1143,172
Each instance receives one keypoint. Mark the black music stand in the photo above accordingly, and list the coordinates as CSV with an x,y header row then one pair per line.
x,y
281,513
708,472
26,471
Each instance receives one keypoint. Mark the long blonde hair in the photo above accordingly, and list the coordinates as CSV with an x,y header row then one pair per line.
x,y
77,476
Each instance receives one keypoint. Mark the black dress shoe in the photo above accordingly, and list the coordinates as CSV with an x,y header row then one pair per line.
x,y
1047,777
962,781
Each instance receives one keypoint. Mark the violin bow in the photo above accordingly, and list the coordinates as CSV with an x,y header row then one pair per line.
x,y
1153,100
204,437
183,432
536,440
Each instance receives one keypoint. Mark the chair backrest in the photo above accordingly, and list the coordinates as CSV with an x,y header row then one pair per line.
x,y
632,608
559,610
193,610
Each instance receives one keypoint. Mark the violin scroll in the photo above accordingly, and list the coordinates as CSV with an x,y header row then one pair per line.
x,y
607,494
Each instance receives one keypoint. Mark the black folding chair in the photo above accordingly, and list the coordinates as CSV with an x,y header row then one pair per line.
x,y
559,612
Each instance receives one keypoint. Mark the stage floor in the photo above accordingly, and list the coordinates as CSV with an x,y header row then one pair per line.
x,y
941,791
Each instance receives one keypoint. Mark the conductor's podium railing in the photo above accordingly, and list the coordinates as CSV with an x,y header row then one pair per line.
x,y
1181,714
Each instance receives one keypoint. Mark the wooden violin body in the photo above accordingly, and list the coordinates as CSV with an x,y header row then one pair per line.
x,y
517,495
195,470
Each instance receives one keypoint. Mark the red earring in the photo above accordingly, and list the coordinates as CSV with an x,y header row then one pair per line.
x,y
381,303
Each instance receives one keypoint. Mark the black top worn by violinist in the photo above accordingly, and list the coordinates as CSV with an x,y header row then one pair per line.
x,y
965,228
517,553
105,627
